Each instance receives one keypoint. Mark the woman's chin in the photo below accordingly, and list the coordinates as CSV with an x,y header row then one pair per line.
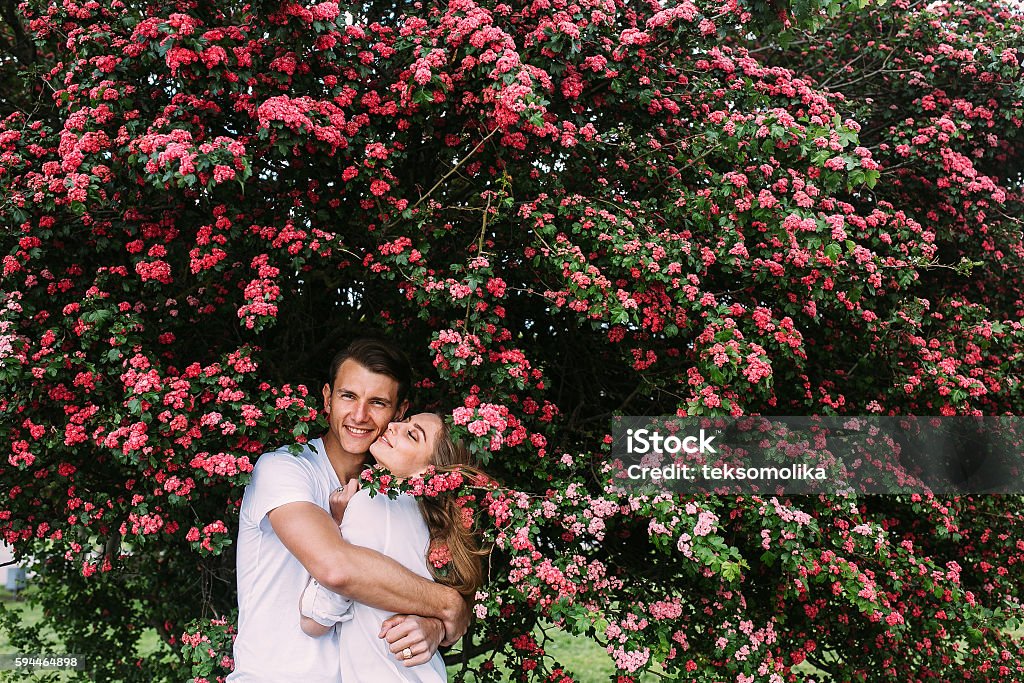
x,y
398,471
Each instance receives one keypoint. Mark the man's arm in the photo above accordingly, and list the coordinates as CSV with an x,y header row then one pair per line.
x,y
362,574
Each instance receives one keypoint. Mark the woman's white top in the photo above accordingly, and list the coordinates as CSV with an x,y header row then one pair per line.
x,y
392,527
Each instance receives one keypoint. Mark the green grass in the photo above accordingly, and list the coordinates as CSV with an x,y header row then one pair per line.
x,y
32,616
149,641
585,659
29,616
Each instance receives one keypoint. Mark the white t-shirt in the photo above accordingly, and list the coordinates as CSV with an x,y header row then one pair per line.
x,y
394,528
271,647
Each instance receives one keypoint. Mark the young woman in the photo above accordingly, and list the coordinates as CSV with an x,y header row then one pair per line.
x,y
405,530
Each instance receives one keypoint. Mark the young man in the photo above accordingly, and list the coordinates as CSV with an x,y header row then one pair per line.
x,y
286,534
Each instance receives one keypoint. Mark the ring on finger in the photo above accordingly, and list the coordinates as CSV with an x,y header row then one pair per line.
x,y
407,653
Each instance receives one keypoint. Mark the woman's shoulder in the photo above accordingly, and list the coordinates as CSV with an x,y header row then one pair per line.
x,y
377,502
384,524
401,502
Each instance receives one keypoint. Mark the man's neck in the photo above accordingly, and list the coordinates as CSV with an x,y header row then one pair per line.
x,y
346,465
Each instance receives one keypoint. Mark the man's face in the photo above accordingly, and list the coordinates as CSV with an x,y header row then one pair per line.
x,y
359,407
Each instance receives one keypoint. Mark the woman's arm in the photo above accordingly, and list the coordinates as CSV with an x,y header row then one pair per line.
x,y
315,600
320,609
311,628
340,497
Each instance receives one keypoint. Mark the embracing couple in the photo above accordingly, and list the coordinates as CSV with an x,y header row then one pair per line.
x,y
369,608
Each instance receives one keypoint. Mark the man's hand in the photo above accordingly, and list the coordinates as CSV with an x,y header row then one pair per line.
x,y
455,623
421,635
340,498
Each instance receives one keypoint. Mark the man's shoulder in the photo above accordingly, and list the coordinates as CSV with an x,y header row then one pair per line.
x,y
281,476
301,455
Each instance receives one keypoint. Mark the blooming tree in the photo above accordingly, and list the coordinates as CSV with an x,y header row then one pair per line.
x,y
563,211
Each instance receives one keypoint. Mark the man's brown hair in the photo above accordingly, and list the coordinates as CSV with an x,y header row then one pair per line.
x,y
380,356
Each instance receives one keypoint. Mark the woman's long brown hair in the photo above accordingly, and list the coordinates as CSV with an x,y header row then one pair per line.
x,y
447,525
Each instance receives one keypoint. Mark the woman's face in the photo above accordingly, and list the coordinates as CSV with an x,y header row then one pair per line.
x,y
406,447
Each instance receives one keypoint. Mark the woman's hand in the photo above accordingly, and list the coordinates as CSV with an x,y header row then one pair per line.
x,y
340,497
421,635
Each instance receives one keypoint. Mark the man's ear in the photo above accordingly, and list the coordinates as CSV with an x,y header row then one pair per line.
x,y
327,397
400,413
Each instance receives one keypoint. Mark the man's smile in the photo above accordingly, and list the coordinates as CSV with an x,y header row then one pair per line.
x,y
358,431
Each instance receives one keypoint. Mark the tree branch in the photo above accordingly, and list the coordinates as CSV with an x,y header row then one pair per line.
x,y
24,49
